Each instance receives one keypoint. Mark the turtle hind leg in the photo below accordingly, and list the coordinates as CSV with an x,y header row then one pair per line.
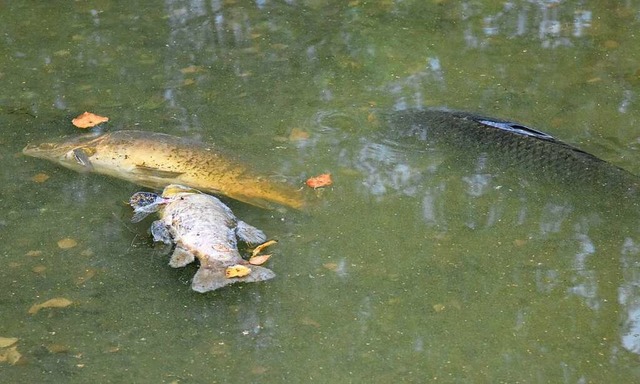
x,y
249,234
213,277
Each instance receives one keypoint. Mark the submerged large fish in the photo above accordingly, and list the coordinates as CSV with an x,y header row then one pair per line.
x,y
156,160
504,146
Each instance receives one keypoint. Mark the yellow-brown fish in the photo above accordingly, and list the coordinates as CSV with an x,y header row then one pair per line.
x,y
156,160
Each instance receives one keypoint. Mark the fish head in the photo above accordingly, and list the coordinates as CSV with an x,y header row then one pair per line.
x,y
74,153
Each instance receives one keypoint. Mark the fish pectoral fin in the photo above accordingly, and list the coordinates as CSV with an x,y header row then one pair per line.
x,y
249,234
155,172
139,216
181,257
81,155
210,278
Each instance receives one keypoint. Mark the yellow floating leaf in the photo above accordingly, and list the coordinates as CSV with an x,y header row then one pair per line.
x,y
237,271
259,259
40,177
39,269
88,120
34,253
7,341
262,246
67,243
58,302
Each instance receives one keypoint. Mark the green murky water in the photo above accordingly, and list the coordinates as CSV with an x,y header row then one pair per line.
x,y
410,269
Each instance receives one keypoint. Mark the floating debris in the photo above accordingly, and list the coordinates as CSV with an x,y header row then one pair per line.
x,y
237,271
88,120
323,180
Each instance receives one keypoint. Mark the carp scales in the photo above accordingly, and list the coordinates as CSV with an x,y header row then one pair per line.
x,y
504,147
201,227
155,160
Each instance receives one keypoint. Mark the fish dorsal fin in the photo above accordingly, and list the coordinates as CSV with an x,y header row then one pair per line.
x,y
516,128
155,172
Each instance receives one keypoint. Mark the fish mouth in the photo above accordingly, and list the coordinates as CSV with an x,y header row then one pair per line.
x,y
42,150
56,148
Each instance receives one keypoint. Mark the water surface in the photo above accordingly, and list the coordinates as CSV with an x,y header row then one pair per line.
x,y
414,266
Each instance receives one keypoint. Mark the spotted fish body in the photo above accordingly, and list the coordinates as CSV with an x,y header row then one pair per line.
x,y
156,160
202,227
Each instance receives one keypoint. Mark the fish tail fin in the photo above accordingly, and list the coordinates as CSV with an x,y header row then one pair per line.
x,y
249,234
213,277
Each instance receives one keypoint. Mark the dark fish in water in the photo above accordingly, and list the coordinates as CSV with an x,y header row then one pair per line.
x,y
156,160
514,147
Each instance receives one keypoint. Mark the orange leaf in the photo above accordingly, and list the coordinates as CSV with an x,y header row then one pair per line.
x,y
262,246
259,260
320,181
88,120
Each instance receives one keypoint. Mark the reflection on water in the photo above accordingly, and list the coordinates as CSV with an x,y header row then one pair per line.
x,y
422,261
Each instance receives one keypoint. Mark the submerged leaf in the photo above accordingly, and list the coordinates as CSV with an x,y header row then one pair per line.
x,y
11,355
7,341
58,302
40,177
67,243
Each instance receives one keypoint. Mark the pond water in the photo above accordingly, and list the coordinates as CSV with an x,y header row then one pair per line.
x,y
416,265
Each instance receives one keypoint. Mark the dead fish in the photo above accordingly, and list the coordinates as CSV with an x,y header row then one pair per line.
x,y
156,160
202,227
